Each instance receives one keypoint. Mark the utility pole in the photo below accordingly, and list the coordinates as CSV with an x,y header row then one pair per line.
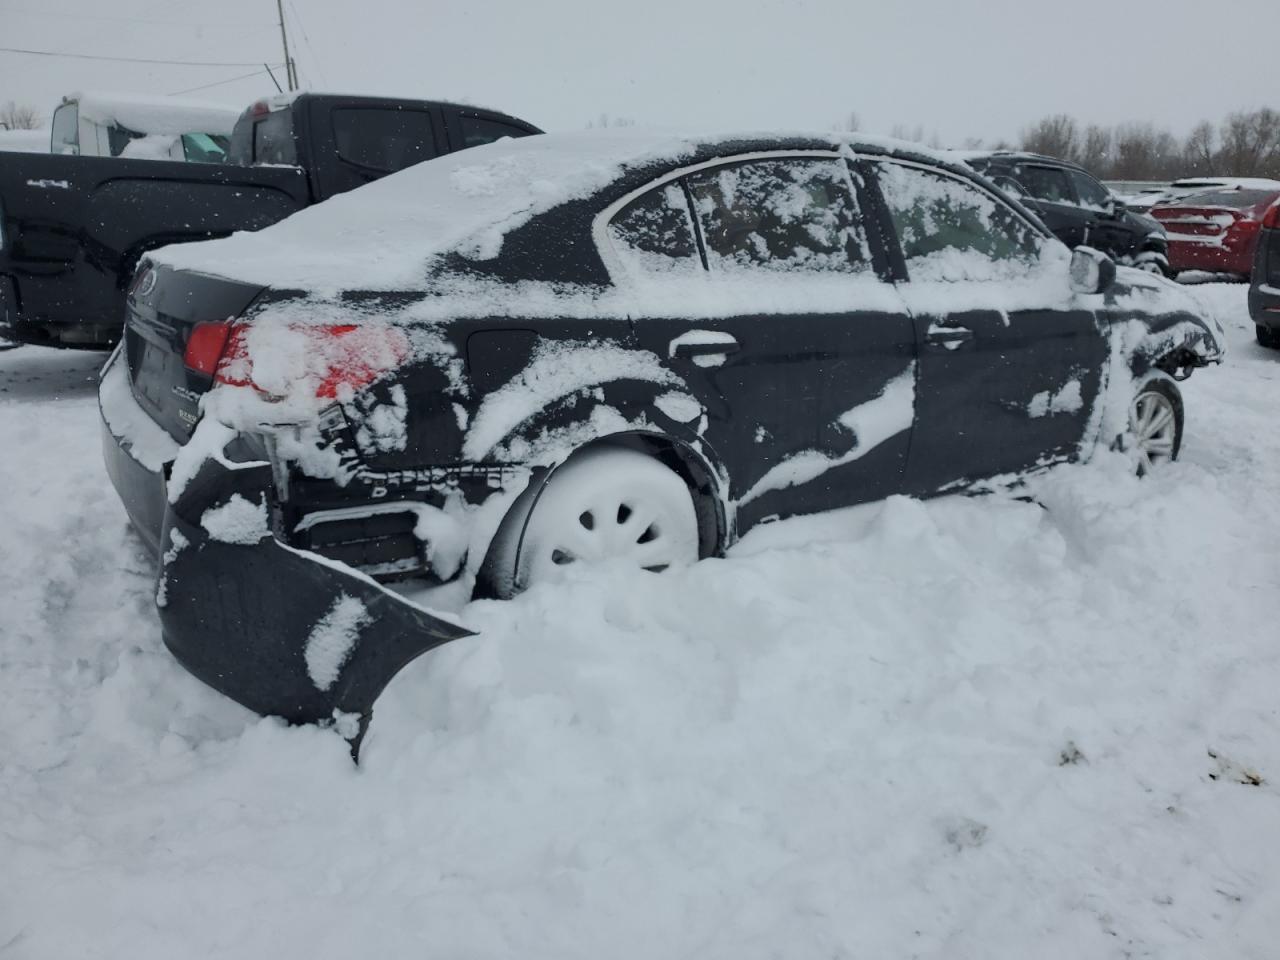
x,y
290,73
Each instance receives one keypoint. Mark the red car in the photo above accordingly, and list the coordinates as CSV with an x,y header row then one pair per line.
x,y
1216,230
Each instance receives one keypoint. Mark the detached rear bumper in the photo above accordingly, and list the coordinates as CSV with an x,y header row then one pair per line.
x,y
282,631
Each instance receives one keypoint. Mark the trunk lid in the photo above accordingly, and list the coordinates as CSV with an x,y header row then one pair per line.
x,y
164,306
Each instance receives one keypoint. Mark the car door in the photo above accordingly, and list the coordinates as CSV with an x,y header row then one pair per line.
x,y
778,324
1010,360
1055,201
1106,228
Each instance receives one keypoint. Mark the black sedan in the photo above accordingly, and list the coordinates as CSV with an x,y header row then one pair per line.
x,y
496,367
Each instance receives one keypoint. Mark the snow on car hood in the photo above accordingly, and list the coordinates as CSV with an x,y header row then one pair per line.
x,y
381,236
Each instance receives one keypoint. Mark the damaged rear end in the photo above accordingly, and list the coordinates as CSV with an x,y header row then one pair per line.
x,y
269,460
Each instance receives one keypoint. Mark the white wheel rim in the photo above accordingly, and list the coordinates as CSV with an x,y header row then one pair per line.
x,y
1150,266
1154,425
645,519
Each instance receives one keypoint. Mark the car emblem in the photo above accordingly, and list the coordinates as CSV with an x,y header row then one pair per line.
x,y
146,284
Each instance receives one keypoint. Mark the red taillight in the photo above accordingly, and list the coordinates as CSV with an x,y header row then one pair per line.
x,y
337,356
205,347
355,356
1271,218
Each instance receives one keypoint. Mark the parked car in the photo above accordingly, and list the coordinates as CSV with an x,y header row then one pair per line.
x,y
1216,230
505,364
154,128
1264,290
1077,207
73,228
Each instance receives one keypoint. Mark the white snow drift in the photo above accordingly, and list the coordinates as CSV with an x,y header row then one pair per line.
x,y
965,728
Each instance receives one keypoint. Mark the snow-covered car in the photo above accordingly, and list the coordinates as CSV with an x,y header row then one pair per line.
x,y
498,366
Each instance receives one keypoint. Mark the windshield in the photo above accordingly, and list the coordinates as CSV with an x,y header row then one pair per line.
x,y
1232,199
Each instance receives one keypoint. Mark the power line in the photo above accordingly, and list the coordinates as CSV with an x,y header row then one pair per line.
x,y
243,76
86,56
297,18
173,23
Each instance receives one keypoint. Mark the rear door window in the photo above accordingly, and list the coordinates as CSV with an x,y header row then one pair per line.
x,y
273,139
1047,183
950,230
480,130
654,232
788,214
383,139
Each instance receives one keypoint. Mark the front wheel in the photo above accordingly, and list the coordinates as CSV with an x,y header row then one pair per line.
x,y
1267,337
1155,424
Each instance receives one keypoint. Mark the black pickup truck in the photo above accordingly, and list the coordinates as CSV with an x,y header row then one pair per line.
x,y
72,228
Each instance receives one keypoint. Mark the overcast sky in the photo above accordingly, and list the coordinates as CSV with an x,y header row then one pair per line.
x,y
964,68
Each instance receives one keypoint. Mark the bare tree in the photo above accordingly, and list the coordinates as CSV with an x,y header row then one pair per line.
x,y
604,120
1095,152
19,118
852,123
1250,143
1055,136
1199,152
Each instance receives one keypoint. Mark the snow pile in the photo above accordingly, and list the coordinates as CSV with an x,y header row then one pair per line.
x,y
153,146
970,727
156,115
25,141
237,521
334,637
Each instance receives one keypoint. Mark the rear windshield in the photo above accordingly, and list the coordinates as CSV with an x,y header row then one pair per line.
x,y
1233,199
273,139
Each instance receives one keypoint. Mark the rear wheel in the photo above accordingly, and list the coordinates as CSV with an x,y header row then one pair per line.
x,y
1267,337
1152,261
603,504
1155,424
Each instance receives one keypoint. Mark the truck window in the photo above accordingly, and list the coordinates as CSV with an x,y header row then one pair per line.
x,y
383,139
65,138
273,139
204,148
478,130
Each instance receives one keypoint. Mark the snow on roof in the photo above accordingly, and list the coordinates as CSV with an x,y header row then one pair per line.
x,y
1243,183
25,141
166,115
382,236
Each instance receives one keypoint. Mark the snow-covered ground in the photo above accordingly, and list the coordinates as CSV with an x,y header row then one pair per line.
x,y
966,728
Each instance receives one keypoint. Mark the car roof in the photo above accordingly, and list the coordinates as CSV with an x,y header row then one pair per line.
x,y
383,235
1016,156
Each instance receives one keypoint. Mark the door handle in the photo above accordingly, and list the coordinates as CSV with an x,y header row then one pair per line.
x,y
706,348
949,337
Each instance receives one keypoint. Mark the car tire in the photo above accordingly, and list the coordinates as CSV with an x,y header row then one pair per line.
x,y
1154,262
1155,424
605,503
1267,337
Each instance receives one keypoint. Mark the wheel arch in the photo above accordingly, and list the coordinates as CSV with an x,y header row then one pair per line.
x,y
692,460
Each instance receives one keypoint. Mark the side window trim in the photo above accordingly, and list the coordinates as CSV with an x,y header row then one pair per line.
x,y
600,225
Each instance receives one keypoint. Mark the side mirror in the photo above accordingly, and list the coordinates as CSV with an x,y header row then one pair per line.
x,y
1115,208
1092,271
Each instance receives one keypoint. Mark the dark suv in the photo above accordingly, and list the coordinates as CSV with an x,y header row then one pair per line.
x,y
1077,207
